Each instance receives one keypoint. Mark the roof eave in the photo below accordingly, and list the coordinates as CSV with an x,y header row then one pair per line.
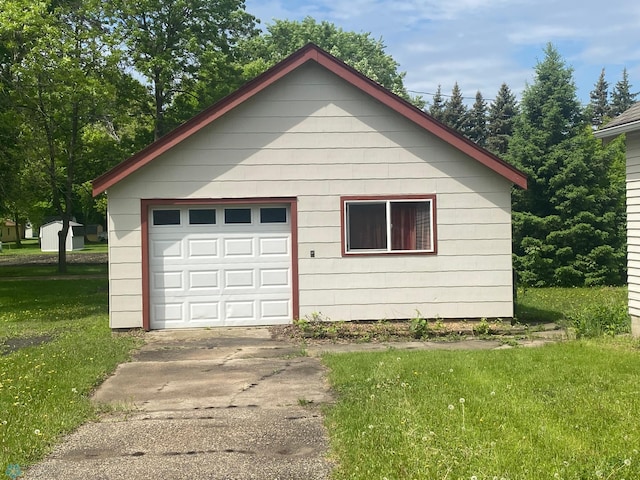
x,y
608,132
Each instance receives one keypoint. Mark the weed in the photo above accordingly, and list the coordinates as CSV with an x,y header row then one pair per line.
x,y
419,326
482,327
605,318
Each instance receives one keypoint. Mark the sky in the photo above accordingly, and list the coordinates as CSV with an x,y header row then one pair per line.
x,y
484,43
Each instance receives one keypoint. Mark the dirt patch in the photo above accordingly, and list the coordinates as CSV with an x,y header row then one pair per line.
x,y
11,345
52,259
315,332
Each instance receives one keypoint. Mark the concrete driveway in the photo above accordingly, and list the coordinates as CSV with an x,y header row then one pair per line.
x,y
205,404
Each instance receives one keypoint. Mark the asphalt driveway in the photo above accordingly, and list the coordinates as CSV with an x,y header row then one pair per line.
x,y
205,404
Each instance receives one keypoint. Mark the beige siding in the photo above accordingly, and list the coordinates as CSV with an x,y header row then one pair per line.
x,y
633,221
312,137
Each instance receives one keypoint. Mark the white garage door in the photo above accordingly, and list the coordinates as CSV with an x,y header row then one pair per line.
x,y
219,265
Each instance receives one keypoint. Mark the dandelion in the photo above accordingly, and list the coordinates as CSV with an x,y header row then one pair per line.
x,y
599,473
627,462
74,390
37,431
473,477
451,407
493,393
451,370
462,400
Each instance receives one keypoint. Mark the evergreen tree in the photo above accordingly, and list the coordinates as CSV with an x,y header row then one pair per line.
x,y
567,224
599,108
455,111
477,124
500,121
621,97
436,110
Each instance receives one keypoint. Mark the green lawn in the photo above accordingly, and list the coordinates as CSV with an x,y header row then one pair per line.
x,y
44,388
566,411
30,247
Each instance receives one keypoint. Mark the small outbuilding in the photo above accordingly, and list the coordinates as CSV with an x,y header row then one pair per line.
x,y
628,123
311,189
49,236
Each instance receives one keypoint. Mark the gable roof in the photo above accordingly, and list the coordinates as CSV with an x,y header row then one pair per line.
x,y
308,53
627,121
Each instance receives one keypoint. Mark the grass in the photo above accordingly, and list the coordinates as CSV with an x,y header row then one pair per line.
x,y
590,312
31,247
566,411
52,270
45,388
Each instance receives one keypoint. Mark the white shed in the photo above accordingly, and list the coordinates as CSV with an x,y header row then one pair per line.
x,y
49,236
628,123
310,189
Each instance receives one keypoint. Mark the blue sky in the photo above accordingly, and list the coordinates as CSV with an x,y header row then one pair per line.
x,y
483,43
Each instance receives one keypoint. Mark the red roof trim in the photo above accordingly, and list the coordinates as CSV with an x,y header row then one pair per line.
x,y
347,73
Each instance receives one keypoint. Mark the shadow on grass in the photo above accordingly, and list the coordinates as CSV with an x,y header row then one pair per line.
x,y
531,315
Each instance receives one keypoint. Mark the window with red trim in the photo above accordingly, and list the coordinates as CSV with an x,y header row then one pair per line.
x,y
385,225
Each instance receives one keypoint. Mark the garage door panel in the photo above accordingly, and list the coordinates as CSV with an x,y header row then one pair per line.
x,y
167,312
220,274
274,277
275,309
269,246
204,279
204,311
234,279
166,249
238,247
236,310
202,249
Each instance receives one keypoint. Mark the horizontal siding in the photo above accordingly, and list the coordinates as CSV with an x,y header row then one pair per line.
x,y
633,221
311,137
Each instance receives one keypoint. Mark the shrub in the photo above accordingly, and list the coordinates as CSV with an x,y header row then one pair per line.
x,y
604,318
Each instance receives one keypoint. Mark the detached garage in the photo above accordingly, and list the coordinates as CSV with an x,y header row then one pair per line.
x,y
310,189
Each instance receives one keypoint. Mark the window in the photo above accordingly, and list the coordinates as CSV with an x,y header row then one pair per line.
x,y
166,217
389,225
273,215
237,215
202,217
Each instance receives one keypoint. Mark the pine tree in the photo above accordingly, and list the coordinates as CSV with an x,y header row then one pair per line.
x,y
566,225
436,110
501,117
455,111
621,97
599,108
477,121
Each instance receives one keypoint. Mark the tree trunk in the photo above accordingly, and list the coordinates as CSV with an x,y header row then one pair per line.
x,y
16,220
62,245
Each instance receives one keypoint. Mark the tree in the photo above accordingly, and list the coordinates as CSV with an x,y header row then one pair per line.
x,y
501,117
359,50
60,88
455,111
599,108
436,109
566,226
170,42
477,121
621,97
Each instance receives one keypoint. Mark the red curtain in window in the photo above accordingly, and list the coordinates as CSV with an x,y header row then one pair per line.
x,y
410,226
403,226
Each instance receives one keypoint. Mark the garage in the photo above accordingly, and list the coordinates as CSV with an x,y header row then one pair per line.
x,y
219,265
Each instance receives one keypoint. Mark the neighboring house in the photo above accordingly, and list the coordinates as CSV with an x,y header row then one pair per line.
x,y
49,236
9,232
629,123
310,189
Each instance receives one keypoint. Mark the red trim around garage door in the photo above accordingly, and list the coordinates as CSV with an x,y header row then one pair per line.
x,y
145,204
